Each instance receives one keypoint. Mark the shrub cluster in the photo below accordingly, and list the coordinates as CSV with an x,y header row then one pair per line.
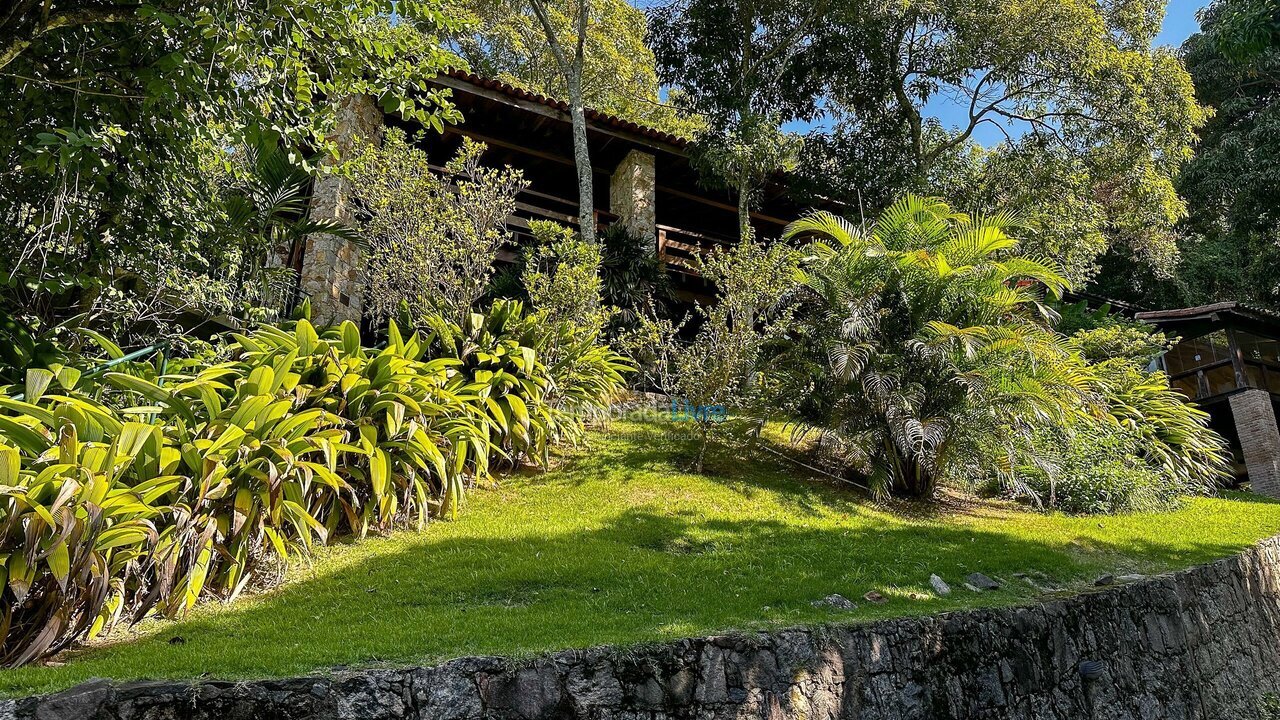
x,y
131,493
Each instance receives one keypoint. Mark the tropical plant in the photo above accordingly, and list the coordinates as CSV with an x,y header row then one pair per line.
x,y
532,402
110,195
936,352
936,362
147,490
633,280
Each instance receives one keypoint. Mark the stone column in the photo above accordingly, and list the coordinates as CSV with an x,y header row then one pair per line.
x,y
1255,419
332,276
632,197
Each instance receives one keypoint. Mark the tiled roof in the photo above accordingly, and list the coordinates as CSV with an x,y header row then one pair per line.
x,y
1232,307
594,116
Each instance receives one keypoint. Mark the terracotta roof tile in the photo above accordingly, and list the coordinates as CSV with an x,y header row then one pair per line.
x,y
595,116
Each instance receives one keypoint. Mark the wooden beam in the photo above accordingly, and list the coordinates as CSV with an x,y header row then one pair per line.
x,y
718,204
524,149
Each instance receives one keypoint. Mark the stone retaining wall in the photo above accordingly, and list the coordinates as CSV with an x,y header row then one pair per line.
x,y
1201,643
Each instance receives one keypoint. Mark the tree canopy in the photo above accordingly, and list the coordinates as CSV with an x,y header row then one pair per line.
x,y
503,39
1231,237
1072,85
123,117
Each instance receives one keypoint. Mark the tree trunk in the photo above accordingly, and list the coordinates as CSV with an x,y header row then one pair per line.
x,y
582,160
572,69
745,232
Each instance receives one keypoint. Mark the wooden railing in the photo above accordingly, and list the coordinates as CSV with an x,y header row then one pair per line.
x,y
681,249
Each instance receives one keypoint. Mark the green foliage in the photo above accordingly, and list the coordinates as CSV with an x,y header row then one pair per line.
x,y
120,115
1230,248
723,364
1134,342
1091,474
619,545
744,155
928,353
936,360
1156,451
154,491
562,277
1105,119
504,39
633,281
433,237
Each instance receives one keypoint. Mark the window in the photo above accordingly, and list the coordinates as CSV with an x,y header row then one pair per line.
x,y
1198,352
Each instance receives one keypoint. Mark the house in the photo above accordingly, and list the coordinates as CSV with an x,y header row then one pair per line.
x,y
643,179
1228,361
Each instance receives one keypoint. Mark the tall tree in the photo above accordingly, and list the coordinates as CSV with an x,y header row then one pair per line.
x,y
504,39
119,113
741,65
1230,241
1073,84
569,53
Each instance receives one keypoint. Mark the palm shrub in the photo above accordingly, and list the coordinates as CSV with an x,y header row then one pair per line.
x,y
928,351
935,356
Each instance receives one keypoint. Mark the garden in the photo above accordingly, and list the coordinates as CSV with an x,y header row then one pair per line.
x,y
522,447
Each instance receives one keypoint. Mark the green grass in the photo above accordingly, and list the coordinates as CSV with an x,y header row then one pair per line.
x,y
621,546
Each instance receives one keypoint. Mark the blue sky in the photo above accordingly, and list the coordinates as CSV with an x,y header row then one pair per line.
x,y
1179,23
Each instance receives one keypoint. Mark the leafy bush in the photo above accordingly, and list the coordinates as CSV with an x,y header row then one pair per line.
x,y
433,236
135,494
722,366
925,347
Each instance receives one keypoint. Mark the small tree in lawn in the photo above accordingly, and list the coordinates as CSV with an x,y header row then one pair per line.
x,y
433,237
721,367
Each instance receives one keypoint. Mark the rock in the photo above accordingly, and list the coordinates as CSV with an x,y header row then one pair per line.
x,y
1133,577
81,701
982,582
835,601
971,588
874,597
940,586
1105,580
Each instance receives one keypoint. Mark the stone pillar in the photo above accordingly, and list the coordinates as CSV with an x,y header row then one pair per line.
x,y
332,276
1255,419
632,197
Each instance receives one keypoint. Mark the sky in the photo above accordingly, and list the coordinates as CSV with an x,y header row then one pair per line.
x,y
1179,24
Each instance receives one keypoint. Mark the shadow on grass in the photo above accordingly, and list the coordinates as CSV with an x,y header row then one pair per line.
x,y
641,576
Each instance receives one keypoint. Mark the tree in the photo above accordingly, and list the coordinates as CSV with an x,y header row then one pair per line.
x,y
569,53
737,63
1231,245
1070,83
120,116
504,39
720,371
745,155
433,237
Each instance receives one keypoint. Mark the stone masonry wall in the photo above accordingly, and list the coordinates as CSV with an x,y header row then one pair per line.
x,y
632,197
1201,643
331,272
1259,439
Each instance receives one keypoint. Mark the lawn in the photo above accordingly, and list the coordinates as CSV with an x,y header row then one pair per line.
x,y
620,545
